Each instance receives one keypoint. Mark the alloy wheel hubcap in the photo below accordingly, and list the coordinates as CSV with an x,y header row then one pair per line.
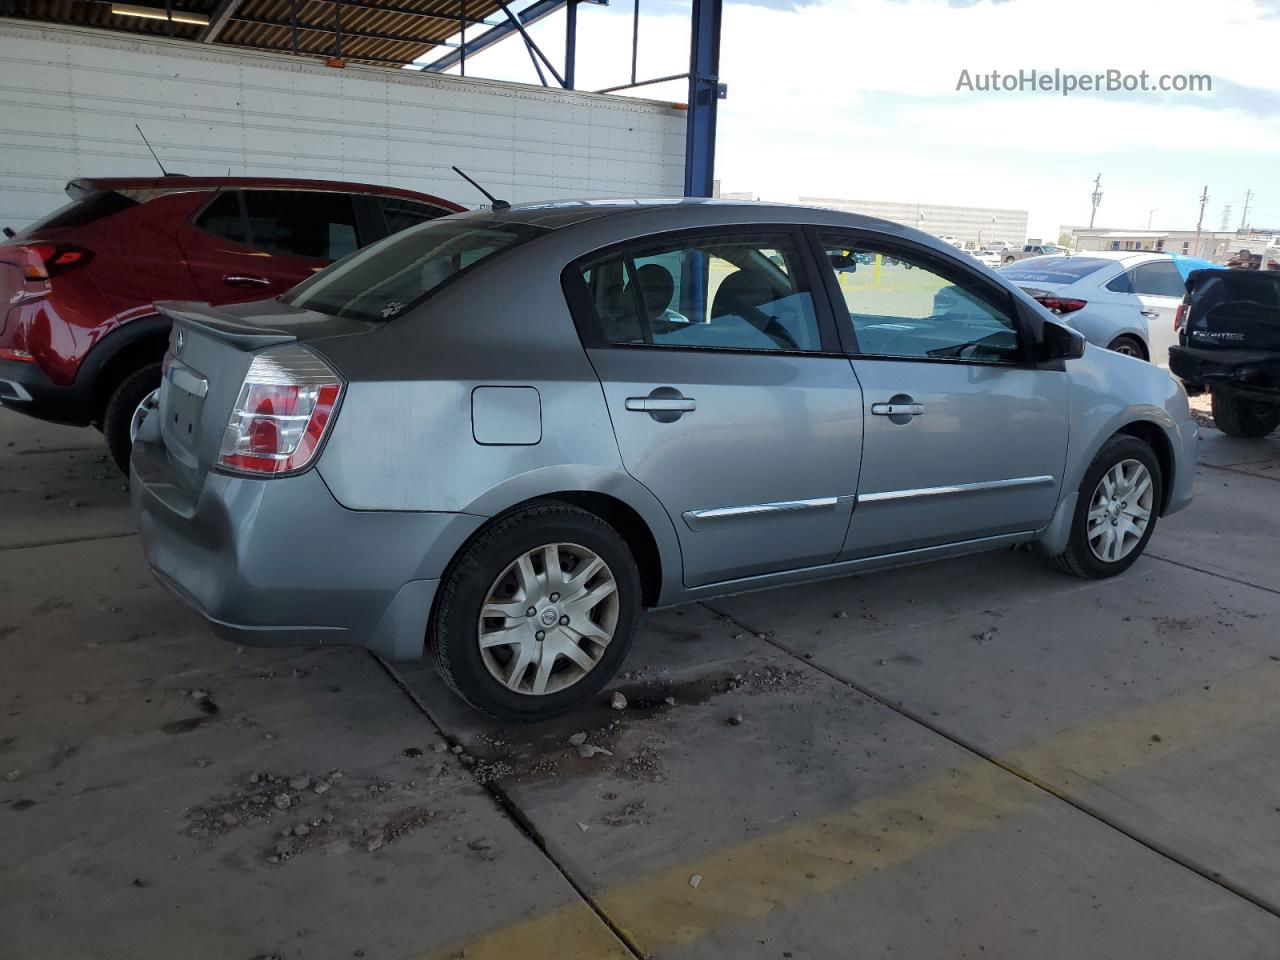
x,y
1125,350
1120,511
149,403
548,618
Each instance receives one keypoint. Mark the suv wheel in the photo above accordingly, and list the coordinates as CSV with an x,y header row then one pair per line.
x,y
130,402
536,614
1116,511
1243,418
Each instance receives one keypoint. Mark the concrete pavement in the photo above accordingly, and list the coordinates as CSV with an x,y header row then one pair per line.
x,y
974,758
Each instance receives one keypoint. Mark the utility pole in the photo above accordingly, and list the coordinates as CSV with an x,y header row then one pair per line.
x,y
1244,217
1204,199
1097,198
1153,212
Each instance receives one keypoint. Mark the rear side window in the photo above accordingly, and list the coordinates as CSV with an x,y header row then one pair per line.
x,y
1160,278
321,226
740,292
1053,269
402,214
225,217
78,213
386,279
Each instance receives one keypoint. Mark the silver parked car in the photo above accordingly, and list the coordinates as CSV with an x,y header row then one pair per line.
x,y
497,437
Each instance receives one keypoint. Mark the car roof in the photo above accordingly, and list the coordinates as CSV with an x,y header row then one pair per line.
x,y
692,212
182,184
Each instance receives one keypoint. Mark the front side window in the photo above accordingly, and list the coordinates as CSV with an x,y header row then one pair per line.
x,y
902,306
301,223
739,292
384,280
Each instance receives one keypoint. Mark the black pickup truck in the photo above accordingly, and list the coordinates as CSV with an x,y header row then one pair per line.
x,y
1229,344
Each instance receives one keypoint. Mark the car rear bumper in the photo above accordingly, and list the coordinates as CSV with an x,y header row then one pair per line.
x,y
26,387
1246,369
279,562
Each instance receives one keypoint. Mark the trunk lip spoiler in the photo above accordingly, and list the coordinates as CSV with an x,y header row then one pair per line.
x,y
232,330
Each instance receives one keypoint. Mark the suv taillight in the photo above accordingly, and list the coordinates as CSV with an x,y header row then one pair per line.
x,y
285,407
1180,317
46,260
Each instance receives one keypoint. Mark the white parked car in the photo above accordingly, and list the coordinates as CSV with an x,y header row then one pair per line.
x,y
1123,300
988,258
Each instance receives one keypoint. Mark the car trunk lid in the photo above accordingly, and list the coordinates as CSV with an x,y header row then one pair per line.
x,y
210,350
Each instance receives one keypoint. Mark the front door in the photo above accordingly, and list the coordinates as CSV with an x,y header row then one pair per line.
x,y
728,395
964,439
1158,286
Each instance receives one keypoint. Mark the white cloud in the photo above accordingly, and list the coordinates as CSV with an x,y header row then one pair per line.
x,y
857,98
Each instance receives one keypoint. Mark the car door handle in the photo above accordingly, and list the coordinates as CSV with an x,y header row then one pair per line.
x,y
897,408
1151,314
245,280
664,404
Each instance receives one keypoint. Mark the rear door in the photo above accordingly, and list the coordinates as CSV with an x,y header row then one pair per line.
x,y
728,394
1158,287
964,438
253,244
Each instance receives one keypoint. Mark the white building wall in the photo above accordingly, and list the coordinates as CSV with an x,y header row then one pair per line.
x,y
72,97
976,224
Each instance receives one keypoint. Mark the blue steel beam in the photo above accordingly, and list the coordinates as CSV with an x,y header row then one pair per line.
x,y
704,94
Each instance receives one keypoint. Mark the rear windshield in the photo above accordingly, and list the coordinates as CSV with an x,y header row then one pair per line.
x,y
77,213
1053,269
384,280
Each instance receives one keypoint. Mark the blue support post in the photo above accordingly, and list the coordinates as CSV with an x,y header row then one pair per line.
x,y
704,93
570,43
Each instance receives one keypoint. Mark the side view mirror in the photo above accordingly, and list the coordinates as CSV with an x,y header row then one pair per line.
x,y
1060,343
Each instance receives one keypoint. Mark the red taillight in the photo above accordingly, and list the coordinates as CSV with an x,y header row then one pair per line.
x,y
46,260
1179,317
1061,305
284,409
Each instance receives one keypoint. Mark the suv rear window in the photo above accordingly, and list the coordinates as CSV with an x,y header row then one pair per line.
x,y
77,213
1053,269
383,281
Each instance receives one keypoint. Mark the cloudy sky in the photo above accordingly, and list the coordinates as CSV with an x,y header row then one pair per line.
x,y
858,99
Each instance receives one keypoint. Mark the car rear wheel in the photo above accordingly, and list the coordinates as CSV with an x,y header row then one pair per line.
x,y
536,613
1116,511
1127,346
1243,418
130,402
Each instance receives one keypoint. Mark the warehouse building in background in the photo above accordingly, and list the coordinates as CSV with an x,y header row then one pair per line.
x,y
973,225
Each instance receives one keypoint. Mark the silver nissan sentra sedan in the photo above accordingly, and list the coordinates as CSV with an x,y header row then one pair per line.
x,y
499,436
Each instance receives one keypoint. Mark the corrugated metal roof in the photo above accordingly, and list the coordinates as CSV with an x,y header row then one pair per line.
x,y
381,32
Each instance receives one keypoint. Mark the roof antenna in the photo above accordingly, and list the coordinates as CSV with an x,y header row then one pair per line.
x,y
494,201
153,153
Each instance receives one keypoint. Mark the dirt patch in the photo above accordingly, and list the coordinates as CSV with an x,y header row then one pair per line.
x,y
1202,409
305,811
623,743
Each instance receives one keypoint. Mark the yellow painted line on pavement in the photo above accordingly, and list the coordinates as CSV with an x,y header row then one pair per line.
x,y
750,879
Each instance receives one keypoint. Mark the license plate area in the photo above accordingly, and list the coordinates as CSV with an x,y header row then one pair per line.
x,y
181,405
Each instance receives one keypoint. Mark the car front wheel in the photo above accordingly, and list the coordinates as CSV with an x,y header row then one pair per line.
x,y
536,613
1116,510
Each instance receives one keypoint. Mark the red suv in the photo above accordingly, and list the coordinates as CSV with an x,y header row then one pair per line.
x,y
80,340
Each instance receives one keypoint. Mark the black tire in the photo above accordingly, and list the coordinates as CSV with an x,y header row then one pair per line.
x,y
1129,346
1079,559
124,400
453,633
1243,418
1009,259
